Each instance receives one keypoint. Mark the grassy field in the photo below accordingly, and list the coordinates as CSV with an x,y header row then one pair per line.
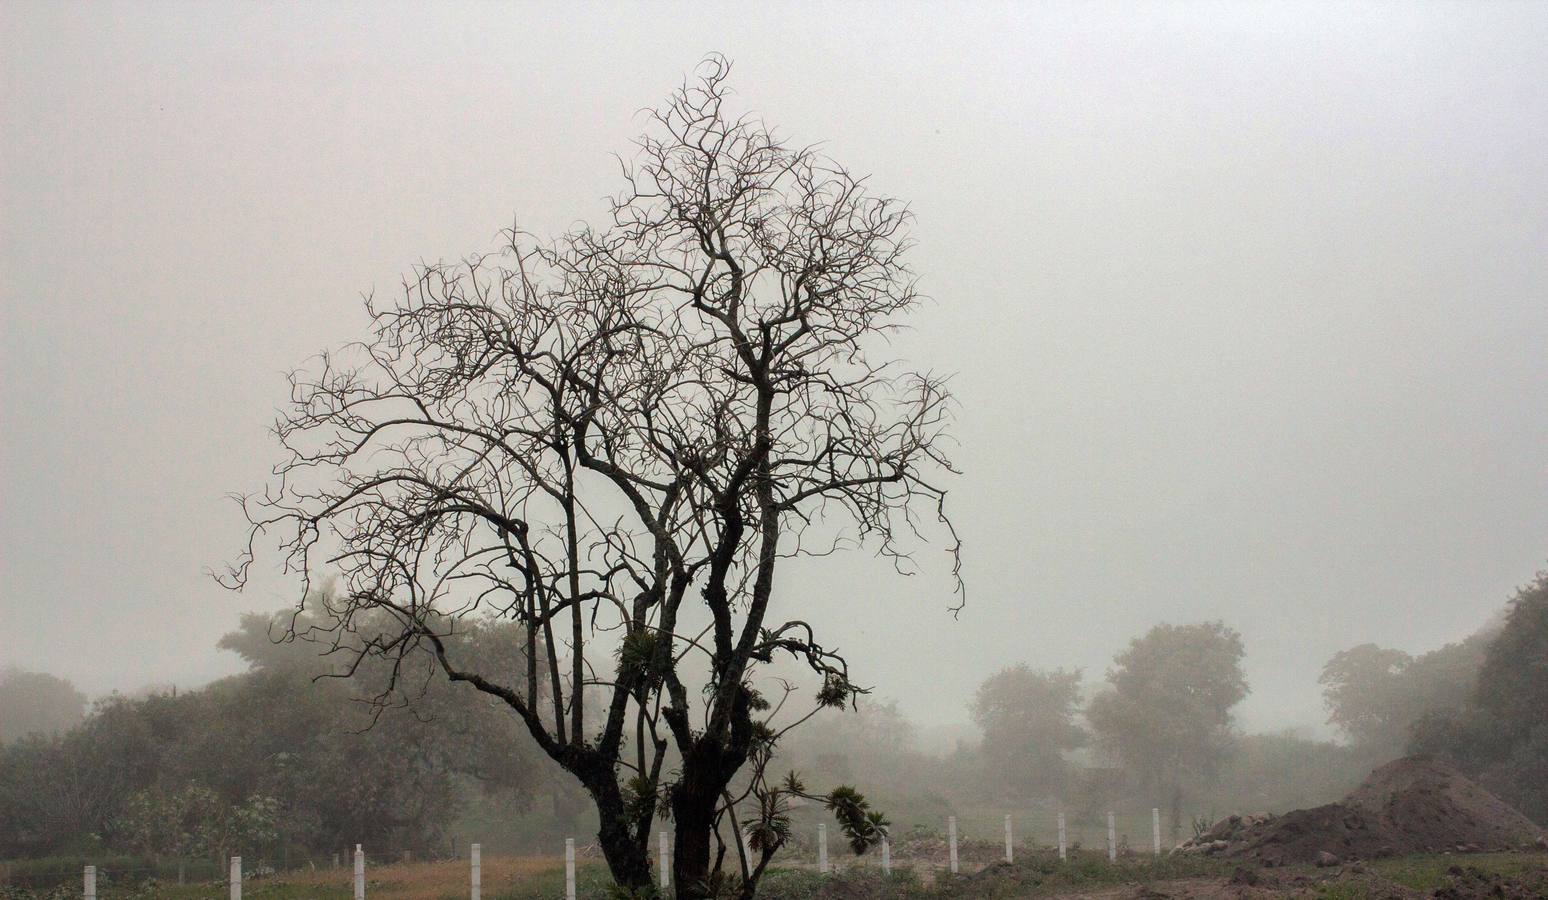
x,y
1038,874
1427,873
542,878
502,877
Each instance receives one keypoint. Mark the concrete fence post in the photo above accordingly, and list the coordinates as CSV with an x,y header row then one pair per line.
x,y
1010,853
569,869
1061,837
951,836
822,848
666,862
475,855
359,873
89,883
1112,839
1155,829
886,856
236,878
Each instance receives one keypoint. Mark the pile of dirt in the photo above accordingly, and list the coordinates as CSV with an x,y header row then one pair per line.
x,y
1225,833
1410,805
1305,835
1433,807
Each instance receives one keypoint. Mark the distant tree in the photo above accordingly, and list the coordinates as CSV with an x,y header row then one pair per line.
x,y
55,794
37,703
614,439
1028,719
62,792
874,736
160,822
1512,685
391,770
271,755
193,821
1500,735
1284,770
1166,717
1359,689
1374,695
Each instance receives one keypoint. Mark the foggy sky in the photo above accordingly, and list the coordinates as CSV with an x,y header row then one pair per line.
x,y
1247,305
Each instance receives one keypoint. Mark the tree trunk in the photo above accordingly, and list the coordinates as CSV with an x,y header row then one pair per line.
x,y
694,800
691,850
628,857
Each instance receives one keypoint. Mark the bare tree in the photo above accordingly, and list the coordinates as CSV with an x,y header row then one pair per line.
x,y
613,439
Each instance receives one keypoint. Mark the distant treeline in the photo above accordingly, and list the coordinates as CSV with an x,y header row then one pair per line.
x,y
1159,732
276,760
272,760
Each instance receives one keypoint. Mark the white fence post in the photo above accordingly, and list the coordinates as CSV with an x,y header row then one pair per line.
x,y
665,866
1112,839
886,856
236,878
951,833
1155,828
359,873
822,848
1061,836
89,882
1010,854
569,869
476,855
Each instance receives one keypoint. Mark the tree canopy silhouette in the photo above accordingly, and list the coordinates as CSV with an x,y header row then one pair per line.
x,y
613,439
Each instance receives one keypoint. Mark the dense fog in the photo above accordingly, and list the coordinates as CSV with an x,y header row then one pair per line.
x,y
1215,338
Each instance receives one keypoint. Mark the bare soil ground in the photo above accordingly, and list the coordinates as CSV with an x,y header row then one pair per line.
x,y
1514,876
1410,805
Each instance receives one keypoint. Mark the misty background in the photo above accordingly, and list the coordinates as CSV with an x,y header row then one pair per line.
x,y
1245,304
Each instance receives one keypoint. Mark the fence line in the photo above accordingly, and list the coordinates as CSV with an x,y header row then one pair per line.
x,y
569,869
234,878
663,864
951,832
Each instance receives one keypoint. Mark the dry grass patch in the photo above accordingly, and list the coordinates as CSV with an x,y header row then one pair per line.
x,y
431,880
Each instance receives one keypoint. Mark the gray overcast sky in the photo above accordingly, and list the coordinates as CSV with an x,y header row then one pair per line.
x,y
1248,304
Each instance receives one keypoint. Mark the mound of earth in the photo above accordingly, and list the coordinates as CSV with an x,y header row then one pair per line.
x,y
1306,835
1410,805
1434,807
